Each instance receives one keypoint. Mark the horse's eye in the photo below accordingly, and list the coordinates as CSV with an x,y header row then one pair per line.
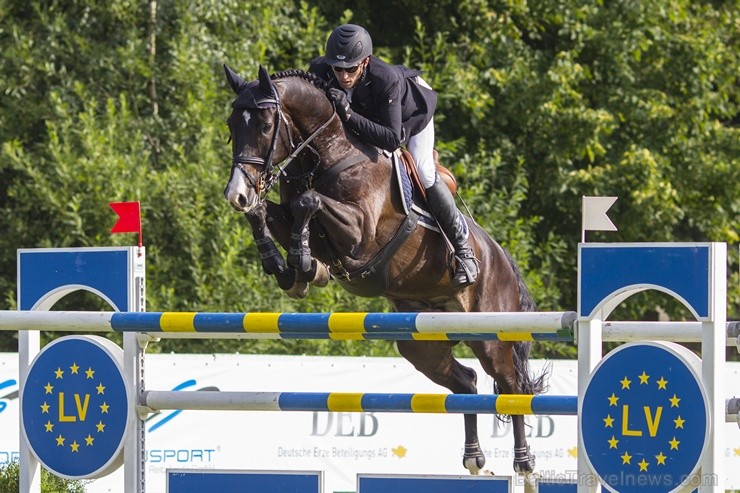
x,y
265,127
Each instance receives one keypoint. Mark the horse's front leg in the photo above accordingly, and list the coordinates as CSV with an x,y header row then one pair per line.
x,y
299,254
273,262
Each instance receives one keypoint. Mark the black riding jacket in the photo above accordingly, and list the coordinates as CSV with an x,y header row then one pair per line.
x,y
388,105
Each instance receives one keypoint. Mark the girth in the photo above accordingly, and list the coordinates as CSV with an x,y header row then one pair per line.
x,y
371,279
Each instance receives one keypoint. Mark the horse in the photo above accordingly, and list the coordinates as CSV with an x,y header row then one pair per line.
x,y
339,217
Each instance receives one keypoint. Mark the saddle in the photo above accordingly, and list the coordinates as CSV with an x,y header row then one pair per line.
x,y
413,192
444,173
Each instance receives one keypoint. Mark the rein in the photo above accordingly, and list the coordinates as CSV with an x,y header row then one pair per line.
x,y
268,176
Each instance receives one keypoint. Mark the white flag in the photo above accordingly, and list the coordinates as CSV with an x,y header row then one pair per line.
x,y
594,216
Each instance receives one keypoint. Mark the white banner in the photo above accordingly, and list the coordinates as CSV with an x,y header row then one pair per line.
x,y
341,444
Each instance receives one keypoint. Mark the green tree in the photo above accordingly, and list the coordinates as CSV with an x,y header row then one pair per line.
x,y
539,103
10,481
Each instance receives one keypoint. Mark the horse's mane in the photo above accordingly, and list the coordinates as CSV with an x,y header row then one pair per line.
x,y
309,76
251,95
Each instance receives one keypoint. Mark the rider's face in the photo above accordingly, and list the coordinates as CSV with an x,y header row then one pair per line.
x,y
349,77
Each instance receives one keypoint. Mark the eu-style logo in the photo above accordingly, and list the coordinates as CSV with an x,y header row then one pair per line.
x,y
75,408
645,418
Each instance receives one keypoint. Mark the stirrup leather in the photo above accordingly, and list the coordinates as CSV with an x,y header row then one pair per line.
x,y
466,268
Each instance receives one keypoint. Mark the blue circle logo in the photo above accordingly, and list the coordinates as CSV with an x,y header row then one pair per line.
x,y
645,418
75,410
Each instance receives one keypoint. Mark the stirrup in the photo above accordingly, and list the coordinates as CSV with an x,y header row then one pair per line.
x,y
466,269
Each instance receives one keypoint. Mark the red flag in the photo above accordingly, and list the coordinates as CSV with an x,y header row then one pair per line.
x,y
129,217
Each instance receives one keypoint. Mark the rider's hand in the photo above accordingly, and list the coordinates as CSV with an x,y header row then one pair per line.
x,y
341,103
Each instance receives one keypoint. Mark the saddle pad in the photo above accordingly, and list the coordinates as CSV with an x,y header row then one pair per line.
x,y
406,190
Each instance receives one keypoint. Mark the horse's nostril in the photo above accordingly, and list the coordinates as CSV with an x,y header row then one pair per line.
x,y
242,200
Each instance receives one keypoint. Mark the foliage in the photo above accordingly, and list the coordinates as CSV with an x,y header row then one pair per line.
x,y
10,481
539,104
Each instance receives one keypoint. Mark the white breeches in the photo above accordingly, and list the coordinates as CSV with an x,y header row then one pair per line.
x,y
421,147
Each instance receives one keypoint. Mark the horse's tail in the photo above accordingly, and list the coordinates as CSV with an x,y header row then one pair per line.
x,y
530,384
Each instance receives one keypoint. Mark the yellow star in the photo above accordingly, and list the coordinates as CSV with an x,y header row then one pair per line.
x,y
60,440
104,408
679,422
44,408
737,452
399,451
643,465
608,421
59,373
644,378
573,452
625,383
626,458
90,372
75,446
48,388
613,400
662,384
613,442
674,401
100,426
74,368
100,388
661,459
89,440
674,444
49,426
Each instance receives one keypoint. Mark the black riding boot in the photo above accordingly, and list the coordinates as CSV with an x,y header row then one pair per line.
x,y
444,209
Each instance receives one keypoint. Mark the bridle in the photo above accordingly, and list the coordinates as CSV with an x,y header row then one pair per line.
x,y
268,175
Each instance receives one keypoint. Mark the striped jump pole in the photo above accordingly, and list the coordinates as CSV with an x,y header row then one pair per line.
x,y
153,401
518,326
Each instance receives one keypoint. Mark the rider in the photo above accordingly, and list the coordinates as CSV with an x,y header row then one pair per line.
x,y
389,106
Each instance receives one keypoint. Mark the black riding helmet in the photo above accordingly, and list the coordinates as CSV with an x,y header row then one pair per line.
x,y
348,45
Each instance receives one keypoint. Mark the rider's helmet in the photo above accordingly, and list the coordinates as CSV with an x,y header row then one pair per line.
x,y
348,45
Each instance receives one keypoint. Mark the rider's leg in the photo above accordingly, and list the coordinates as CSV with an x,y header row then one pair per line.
x,y
443,207
442,204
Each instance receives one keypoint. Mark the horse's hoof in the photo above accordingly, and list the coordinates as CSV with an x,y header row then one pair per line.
x,y
322,276
474,464
309,275
473,458
298,291
530,482
318,274
524,466
523,460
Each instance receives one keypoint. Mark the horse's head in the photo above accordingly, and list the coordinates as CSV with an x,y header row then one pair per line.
x,y
254,126
262,128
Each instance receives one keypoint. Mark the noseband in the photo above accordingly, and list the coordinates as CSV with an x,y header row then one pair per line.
x,y
268,175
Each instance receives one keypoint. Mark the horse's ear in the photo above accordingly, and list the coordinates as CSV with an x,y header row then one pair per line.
x,y
236,82
265,82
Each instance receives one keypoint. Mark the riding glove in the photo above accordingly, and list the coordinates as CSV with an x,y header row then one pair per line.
x,y
341,103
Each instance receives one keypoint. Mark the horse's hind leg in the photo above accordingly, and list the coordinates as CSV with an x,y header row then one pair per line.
x,y
497,359
434,359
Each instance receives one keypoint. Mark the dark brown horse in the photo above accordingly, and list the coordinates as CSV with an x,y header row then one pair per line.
x,y
339,213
